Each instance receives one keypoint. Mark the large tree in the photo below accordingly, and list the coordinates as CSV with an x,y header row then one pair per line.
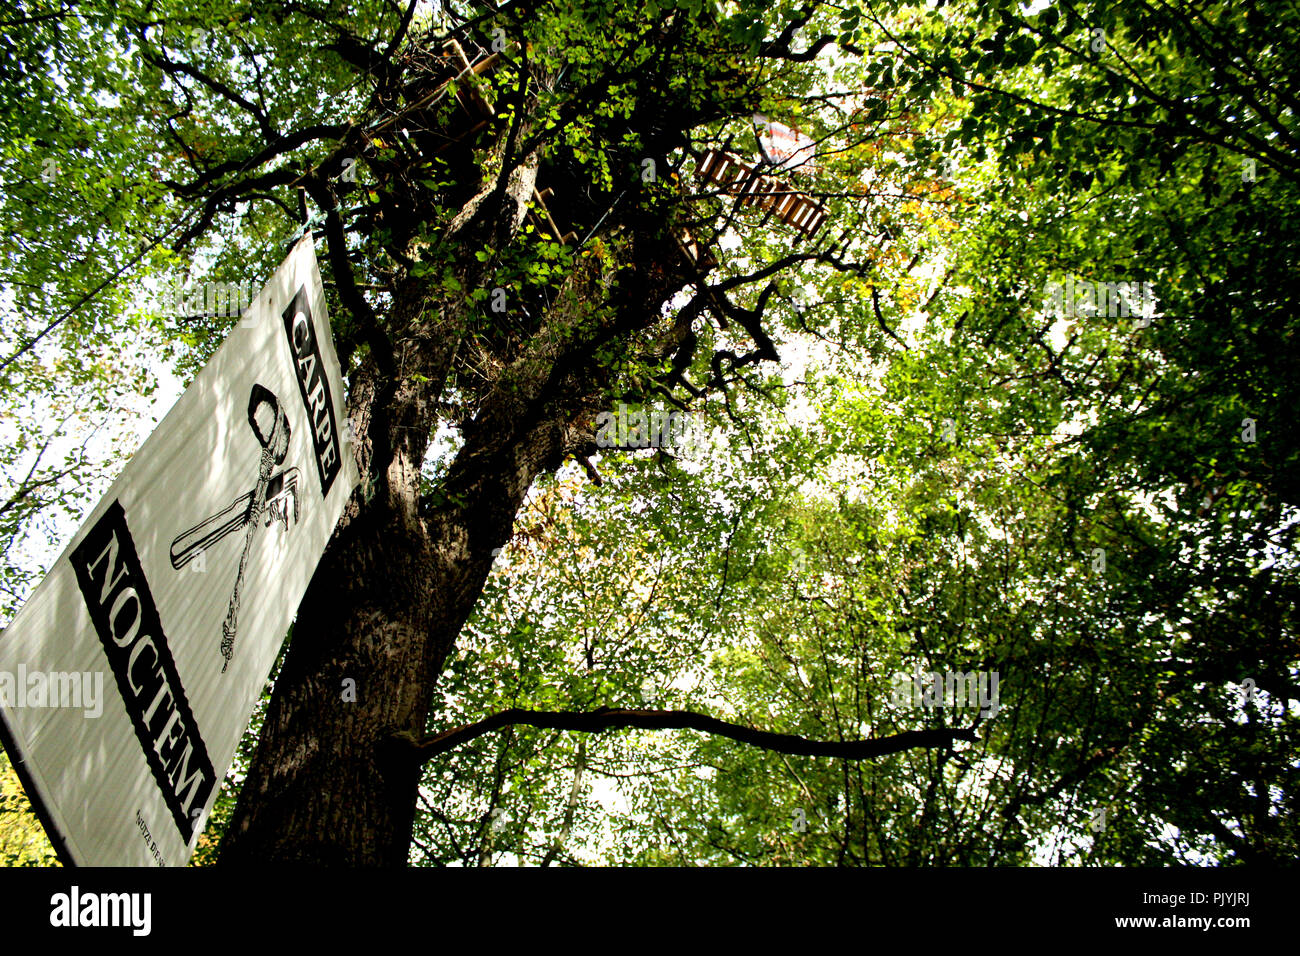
x,y
968,457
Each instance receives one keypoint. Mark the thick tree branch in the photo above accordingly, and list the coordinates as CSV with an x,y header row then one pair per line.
x,y
606,718
349,292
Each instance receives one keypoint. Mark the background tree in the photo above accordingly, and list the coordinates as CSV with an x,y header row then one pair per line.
x,y
924,483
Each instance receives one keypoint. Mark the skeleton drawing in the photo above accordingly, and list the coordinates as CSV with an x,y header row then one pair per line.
x,y
265,504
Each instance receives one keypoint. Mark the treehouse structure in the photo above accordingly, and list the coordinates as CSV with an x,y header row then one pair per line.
x,y
473,115
422,125
752,188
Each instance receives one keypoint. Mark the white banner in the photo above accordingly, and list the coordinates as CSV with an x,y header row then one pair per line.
x,y
787,148
128,677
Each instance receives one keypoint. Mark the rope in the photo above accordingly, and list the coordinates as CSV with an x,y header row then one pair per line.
x,y
265,465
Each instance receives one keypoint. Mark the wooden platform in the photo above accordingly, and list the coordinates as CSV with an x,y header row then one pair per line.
x,y
468,96
477,107
542,216
752,188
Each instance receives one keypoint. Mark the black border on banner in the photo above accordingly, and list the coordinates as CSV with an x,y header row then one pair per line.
x,y
33,794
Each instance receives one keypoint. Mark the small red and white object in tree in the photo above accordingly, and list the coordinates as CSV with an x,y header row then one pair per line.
x,y
784,146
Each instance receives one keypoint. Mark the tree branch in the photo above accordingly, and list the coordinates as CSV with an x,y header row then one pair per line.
x,y
606,718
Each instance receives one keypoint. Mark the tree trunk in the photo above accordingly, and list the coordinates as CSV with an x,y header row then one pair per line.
x,y
335,776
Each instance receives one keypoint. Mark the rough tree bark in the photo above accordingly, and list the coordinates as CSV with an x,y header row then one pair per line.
x,y
334,781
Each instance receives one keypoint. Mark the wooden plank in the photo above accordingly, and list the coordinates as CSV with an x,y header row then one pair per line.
x,y
706,170
452,50
487,64
753,189
695,251
545,217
